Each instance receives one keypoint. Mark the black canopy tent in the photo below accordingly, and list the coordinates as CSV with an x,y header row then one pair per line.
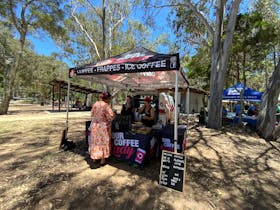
x,y
137,69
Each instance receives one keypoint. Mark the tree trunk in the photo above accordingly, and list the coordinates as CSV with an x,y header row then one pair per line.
x,y
104,29
9,81
219,57
215,100
266,122
215,103
242,91
7,91
274,57
10,77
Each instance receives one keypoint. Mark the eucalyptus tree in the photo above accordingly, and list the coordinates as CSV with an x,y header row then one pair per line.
x,y
98,30
199,68
98,22
36,73
26,17
266,123
8,50
215,24
254,41
270,11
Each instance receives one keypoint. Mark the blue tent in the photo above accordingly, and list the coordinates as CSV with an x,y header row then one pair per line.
x,y
233,93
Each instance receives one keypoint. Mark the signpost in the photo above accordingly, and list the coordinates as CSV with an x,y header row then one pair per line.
x,y
172,170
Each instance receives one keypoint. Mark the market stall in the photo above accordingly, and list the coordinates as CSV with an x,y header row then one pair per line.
x,y
138,69
233,93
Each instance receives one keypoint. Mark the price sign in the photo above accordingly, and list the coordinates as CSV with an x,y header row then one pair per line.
x,y
172,170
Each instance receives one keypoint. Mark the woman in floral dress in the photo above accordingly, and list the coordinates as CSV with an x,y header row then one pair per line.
x,y
100,141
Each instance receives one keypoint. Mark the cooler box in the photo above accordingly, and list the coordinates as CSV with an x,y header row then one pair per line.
x,y
167,138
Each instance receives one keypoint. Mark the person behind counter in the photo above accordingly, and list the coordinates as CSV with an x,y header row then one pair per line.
x,y
224,112
127,108
147,112
102,115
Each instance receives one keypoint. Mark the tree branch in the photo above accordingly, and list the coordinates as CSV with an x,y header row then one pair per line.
x,y
197,13
231,26
201,16
93,7
86,33
14,18
192,41
119,22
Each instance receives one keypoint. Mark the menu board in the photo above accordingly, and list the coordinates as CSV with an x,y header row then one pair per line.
x,y
172,170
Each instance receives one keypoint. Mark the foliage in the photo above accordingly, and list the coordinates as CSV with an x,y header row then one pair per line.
x,y
28,17
25,18
254,41
94,28
199,69
35,71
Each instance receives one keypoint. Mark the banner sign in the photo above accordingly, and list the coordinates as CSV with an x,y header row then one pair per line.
x,y
136,60
167,138
172,170
131,147
233,93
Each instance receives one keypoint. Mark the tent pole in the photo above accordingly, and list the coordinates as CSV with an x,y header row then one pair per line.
x,y
67,107
188,105
176,113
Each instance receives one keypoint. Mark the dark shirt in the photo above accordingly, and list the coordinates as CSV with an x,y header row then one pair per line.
x,y
251,111
127,111
224,112
237,109
148,123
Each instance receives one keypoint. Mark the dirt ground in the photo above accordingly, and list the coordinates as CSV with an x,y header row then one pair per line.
x,y
227,169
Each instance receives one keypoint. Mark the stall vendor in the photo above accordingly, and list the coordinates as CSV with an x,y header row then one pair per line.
x,y
147,113
127,108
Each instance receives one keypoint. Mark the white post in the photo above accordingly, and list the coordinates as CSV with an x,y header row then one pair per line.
x,y
188,100
176,113
67,107
188,108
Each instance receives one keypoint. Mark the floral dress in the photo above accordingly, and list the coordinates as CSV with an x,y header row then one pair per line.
x,y
100,140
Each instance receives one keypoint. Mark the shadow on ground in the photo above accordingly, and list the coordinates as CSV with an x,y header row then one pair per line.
x,y
227,169
238,173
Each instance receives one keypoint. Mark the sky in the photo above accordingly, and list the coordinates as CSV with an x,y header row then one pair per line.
x,y
43,45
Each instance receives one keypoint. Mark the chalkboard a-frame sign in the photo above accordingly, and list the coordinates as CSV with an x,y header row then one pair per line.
x,y
172,170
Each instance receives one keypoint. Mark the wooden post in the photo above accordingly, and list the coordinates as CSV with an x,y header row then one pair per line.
x,y
53,97
59,95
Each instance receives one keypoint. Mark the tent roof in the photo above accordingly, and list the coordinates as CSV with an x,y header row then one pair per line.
x,y
138,69
233,93
74,87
